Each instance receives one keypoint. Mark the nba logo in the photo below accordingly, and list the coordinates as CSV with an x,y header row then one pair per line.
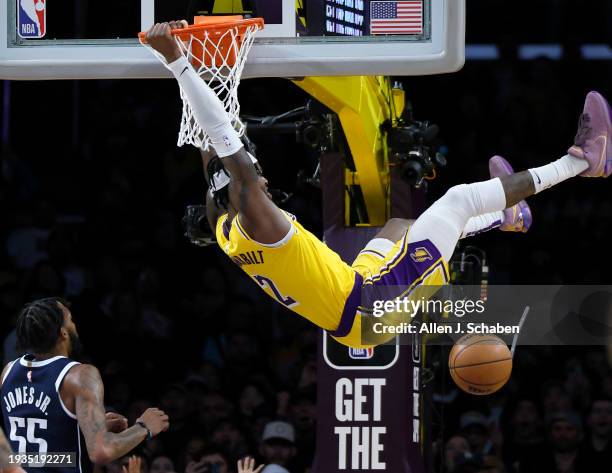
x,y
31,18
361,353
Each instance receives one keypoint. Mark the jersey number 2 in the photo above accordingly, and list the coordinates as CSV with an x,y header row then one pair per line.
x,y
30,438
267,282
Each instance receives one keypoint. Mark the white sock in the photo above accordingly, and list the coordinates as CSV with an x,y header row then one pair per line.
x,y
207,108
557,171
483,223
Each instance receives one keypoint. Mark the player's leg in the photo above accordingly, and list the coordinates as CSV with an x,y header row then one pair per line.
x,y
258,215
372,257
517,218
482,224
444,222
591,156
395,229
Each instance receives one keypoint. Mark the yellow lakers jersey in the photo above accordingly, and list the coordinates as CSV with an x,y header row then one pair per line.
x,y
300,271
306,276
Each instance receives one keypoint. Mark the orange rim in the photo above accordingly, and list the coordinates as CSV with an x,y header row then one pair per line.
x,y
213,25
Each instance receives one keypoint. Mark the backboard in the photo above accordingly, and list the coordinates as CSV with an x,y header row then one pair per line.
x,y
82,39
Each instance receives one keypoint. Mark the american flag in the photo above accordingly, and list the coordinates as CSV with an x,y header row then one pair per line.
x,y
398,17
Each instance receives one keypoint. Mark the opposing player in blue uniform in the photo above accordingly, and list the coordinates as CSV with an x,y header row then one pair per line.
x,y
53,406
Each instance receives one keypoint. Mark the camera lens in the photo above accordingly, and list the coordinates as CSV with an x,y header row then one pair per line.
x,y
412,172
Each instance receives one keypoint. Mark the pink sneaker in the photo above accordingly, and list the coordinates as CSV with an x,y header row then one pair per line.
x,y
517,218
592,140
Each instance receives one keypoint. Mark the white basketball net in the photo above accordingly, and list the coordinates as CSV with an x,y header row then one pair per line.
x,y
221,68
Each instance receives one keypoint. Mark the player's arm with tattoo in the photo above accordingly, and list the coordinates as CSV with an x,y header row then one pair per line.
x,y
85,384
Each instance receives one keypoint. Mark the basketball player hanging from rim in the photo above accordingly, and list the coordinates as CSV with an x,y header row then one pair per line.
x,y
301,272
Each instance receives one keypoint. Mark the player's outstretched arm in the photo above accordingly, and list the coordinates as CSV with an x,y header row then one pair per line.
x,y
258,215
85,384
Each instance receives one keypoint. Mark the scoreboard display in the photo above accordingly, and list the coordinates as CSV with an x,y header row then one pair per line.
x,y
364,17
78,19
335,17
345,17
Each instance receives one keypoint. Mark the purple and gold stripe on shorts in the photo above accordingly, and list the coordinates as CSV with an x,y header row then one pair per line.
x,y
409,265
350,309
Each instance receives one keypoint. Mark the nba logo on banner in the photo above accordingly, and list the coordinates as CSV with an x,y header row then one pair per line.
x,y
31,18
361,353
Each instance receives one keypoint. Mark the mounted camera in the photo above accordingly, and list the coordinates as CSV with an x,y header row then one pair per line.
x,y
196,226
412,147
309,124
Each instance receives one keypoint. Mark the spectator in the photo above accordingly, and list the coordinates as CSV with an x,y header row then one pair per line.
x,y
213,459
456,452
193,452
214,408
475,428
257,398
210,376
524,437
278,443
555,398
228,434
564,437
596,452
174,398
26,244
302,412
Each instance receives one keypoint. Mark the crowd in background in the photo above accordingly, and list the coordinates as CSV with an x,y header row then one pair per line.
x,y
91,199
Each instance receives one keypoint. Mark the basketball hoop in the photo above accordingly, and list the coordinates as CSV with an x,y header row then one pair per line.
x,y
217,47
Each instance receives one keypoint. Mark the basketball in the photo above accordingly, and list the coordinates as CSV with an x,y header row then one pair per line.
x,y
480,364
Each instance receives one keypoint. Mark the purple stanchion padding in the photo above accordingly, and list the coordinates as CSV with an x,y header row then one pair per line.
x,y
369,402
